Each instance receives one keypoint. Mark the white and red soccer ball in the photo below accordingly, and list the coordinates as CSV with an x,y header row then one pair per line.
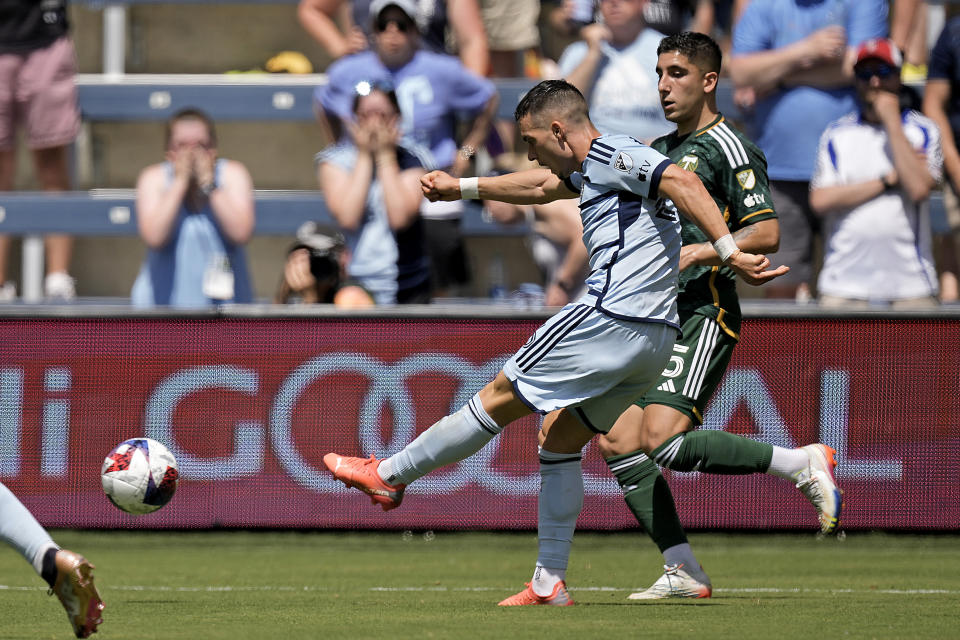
x,y
139,476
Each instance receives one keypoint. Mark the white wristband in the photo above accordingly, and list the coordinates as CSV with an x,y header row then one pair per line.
x,y
470,188
725,247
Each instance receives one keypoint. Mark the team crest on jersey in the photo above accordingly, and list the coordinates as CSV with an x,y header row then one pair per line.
x,y
689,162
746,179
623,162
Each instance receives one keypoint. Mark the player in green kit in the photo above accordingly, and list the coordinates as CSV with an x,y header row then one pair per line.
x,y
659,430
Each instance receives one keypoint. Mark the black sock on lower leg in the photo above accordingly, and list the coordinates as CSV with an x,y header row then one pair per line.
x,y
49,572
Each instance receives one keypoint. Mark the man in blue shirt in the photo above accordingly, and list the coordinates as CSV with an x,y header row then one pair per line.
x,y
797,57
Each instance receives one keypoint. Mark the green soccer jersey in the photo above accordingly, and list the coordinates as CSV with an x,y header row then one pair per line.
x,y
734,171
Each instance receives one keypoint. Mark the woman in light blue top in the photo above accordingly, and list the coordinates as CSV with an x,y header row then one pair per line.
x,y
371,185
195,212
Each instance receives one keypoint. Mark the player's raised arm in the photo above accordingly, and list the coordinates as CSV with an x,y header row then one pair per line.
x,y
535,186
691,198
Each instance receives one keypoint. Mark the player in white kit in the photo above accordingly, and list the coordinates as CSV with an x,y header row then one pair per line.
x,y
601,352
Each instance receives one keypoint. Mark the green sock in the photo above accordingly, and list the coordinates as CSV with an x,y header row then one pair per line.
x,y
716,452
648,496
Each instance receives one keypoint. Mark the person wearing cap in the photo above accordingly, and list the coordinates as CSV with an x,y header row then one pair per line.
x,y
875,170
315,271
796,57
463,18
434,91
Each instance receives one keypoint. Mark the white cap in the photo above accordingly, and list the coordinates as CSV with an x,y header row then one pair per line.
x,y
409,7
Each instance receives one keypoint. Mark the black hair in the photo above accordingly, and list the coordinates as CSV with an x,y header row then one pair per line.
x,y
699,48
365,87
554,95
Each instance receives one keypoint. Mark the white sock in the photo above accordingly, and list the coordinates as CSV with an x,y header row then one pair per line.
x,y
449,440
683,554
560,502
545,579
791,464
21,530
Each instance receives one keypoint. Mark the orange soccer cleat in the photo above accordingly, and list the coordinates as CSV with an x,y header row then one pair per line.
x,y
558,598
361,473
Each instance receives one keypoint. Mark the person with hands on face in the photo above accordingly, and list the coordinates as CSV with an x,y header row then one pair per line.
x,y
875,170
371,187
195,212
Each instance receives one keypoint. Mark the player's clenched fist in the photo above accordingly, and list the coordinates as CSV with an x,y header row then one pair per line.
x,y
439,185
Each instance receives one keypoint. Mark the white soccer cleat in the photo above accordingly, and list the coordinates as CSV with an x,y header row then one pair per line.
x,y
674,583
820,487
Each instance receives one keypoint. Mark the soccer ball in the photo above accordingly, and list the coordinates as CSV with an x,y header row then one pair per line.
x,y
139,476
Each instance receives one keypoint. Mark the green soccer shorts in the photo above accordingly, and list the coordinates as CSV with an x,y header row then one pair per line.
x,y
696,366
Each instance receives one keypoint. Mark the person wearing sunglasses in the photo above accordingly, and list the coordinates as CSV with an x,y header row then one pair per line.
x,y
462,18
875,170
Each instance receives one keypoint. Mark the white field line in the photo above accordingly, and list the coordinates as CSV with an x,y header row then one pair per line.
x,y
229,588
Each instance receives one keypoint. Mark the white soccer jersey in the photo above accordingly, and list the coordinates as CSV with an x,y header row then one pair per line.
x,y
881,249
631,234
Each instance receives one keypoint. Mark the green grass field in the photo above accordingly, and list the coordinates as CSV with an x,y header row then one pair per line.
x,y
237,585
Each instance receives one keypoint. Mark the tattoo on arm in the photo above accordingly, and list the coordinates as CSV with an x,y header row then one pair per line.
x,y
744,233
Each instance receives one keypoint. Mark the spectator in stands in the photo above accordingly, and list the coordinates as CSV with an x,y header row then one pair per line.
x,y
941,103
37,91
670,17
513,36
319,18
797,57
433,91
371,185
874,174
908,30
614,67
315,271
195,212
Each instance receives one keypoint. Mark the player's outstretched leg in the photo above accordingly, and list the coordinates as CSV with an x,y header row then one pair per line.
x,y
648,496
361,473
820,487
810,468
449,440
77,593
68,574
